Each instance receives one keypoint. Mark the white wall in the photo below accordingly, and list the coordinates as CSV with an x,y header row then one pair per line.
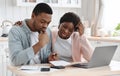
x,y
9,11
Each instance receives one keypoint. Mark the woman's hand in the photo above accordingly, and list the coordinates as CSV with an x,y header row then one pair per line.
x,y
53,56
18,23
80,28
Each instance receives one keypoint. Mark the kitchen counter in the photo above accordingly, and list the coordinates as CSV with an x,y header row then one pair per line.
x,y
3,39
91,38
105,39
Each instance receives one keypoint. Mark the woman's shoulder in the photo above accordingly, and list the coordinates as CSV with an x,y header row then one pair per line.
x,y
54,30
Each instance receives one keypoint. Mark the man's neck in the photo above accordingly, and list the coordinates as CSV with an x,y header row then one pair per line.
x,y
29,24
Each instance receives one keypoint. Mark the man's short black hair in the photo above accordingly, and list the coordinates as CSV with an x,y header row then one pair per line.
x,y
42,8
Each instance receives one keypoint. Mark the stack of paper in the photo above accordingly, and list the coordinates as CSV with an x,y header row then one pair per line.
x,y
60,63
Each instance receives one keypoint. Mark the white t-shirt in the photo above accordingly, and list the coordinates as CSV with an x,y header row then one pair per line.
x,y
63,48
34,40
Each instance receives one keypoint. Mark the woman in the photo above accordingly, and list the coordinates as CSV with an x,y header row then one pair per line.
x,y
69,41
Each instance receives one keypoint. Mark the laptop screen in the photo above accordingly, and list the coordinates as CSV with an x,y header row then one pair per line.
x,y
102,56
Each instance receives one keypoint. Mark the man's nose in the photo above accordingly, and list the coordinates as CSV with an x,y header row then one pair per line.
x,y
45,25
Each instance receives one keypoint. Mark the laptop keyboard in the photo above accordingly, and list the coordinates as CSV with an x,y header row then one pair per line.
x,y
80,65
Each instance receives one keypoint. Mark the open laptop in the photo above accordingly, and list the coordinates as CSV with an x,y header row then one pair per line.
x,y
101,57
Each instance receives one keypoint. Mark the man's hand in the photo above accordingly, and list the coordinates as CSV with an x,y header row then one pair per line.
x,y
43,39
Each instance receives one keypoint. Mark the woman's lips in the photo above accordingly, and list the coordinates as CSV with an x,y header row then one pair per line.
x,y
63,34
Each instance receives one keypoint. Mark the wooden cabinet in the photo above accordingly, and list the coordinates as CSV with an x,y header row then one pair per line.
x,y
52,3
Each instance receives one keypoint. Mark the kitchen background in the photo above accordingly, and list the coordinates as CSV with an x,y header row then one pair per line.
x,y
90,12
99,14
12,10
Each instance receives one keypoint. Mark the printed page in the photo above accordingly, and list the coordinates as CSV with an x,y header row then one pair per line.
x,y
60,63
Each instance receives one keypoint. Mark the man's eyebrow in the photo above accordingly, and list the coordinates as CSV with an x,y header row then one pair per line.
x,y
43,20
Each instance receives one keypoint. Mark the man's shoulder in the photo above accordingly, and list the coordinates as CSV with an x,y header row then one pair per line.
x,y
15,28
18,30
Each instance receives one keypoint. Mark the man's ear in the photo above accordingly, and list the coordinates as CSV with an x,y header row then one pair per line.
x,y
33,15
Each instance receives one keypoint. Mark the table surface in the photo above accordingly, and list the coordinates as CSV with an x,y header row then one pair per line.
x,y
112,70
92,38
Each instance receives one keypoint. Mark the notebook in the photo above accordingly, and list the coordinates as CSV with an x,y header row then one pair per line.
x,y
102,56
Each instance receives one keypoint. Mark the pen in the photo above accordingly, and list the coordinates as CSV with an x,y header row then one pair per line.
x,y
54,54
29,69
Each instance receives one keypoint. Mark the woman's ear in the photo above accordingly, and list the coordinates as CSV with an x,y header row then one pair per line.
x,y
59,26
76,28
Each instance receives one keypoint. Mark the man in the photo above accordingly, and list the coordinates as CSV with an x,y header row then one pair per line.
x,y
32,39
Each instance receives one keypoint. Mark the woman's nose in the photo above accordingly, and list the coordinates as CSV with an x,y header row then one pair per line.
x,y
67,31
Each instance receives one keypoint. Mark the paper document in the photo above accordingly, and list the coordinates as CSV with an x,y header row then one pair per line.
x,y
26,67
29,67
35,69
60,63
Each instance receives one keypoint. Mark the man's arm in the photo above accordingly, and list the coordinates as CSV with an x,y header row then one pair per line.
x,y
46,50
20,51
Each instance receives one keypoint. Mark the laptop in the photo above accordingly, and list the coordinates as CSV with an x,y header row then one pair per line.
x,y
102,56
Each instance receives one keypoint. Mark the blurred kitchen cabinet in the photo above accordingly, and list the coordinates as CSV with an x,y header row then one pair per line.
x,y
52,3
1,64
3,56
26,2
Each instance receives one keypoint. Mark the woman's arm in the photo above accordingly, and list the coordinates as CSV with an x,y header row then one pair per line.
x,y
86,48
